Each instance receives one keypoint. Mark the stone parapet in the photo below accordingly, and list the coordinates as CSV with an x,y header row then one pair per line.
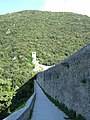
x,y
23,113
69,82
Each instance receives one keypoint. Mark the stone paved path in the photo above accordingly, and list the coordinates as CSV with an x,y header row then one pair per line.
x,y
44,109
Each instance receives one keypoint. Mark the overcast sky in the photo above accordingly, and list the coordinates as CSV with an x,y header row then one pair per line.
x,y
76,6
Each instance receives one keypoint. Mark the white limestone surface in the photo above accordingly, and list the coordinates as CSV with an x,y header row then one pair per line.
x,y
44,109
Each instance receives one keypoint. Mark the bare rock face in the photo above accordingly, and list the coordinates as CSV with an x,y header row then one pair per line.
x,y
69,82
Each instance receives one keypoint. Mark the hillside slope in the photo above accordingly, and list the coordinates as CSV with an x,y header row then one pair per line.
x,y
54,36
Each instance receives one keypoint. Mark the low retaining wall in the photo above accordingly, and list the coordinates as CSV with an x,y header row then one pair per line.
x,y
69,82
23,113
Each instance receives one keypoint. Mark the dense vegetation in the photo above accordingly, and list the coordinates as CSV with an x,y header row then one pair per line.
x,y
19,99
54,36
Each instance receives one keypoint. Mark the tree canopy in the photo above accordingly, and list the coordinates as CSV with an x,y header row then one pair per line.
x,y
54,36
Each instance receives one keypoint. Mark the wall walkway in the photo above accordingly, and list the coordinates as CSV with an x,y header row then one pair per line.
x,y
44,109
69,82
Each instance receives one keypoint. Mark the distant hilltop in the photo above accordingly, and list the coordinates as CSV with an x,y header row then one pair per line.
x,y
54,36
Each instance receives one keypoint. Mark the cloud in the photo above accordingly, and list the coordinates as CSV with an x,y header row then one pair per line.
x,y
76,6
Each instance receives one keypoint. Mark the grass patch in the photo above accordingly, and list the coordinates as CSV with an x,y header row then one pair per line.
x,y
32,108
21,106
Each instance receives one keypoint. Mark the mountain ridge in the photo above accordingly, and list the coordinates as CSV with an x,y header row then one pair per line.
x,y
54,36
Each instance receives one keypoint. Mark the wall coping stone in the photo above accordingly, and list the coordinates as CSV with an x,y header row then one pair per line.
x,y
19,113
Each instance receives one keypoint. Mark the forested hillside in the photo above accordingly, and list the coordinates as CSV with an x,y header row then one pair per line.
x,y
54,36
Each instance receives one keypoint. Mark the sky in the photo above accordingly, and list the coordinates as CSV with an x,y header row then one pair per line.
x,y
76,6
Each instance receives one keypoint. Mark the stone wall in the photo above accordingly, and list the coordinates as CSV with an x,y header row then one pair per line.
x,y
69,82
23,113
